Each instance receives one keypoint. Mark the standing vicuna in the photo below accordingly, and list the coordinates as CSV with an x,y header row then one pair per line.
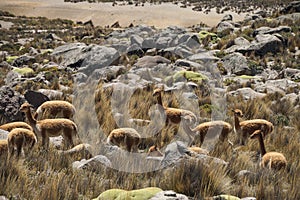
x,y
247,127
272,160
214,127
126,138
51,127
173,115
54,109
20,139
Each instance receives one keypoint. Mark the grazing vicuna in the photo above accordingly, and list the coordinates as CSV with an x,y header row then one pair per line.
x,y
51,127
54,109
20,139
247,127
10,126
126,138
271,160
214,127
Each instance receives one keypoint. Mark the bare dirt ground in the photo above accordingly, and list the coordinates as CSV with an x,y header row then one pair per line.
x,y
103,14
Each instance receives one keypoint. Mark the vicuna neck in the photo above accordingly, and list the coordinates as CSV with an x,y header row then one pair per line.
x,y
261,144
159,99
237,123
30,119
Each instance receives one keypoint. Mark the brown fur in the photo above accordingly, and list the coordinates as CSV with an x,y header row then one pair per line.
x,y
126,138
80,151
51,127
20,139
55,108
3,148
198,150
245,128
154,152
272,160
202,129
173,117
9,126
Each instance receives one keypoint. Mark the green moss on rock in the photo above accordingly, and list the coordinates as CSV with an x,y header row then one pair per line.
x,y
119,194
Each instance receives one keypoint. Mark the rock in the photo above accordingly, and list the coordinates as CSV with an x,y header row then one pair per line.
x,y
25,71
237,43
23,60
177,152
57,141
293,17
237,64
53,36
247,93
203,57
293,74
148,43
225,197
3,134
135,49
185,76
151,61
93,164
243,175
224,26
248,198
175,52
140,194
35,98
51,94
10,102
280,85
108,73
292,7
136,39
227,17
189,64
86,58
268,30
3,198
169,195
262,45
193,42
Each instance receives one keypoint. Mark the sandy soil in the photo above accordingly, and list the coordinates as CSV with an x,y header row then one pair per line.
x,y
103,14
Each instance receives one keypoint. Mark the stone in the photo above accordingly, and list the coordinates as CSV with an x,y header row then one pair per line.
x,y
151,61
169,195
237,64
247,93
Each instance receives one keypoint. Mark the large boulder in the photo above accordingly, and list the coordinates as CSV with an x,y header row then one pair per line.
x,y
10,102
86,58
95,164
268,30
292,7
263,44
237,64
247,93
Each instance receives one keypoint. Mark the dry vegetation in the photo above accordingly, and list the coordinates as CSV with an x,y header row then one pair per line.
x,y
49,175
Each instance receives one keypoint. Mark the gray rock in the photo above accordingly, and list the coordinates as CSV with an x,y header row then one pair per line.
x,y
203,57
293,74
3,134
108,73
86,58
163,42
169,195
135,49
248,198
262,45
92,164
3,198
148,43
227,17
136,39
268,30
52,94
189,64
193,42
23,60
10,102
236,63
241,41
289,17
292,7
177,51
151,61
247,93
272,86
224,26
